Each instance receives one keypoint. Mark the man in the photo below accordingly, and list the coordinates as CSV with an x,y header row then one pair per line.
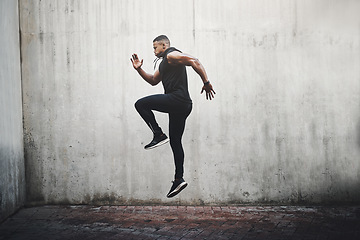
x,y
176,101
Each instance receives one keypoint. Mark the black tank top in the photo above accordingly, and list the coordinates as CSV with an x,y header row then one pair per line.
x,y
174,78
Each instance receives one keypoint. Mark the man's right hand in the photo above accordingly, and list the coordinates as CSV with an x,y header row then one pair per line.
x,y
136,62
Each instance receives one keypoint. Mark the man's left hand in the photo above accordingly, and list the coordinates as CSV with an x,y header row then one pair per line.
x,y
209,91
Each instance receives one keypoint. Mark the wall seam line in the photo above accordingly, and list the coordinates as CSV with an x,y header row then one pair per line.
x,y
22,97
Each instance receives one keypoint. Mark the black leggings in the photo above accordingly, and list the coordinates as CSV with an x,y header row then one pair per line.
x,y
178,112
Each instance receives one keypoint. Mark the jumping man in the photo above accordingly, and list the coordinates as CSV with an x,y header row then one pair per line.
x,y
176,101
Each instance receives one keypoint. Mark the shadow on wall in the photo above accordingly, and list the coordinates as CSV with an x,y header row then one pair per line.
x,y
358,135
345,192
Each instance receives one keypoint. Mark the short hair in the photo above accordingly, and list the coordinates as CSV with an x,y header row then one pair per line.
x,y
162,38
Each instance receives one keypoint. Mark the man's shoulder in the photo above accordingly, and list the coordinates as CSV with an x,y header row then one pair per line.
x,y
173,54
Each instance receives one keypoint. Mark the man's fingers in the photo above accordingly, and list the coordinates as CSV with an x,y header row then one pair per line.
x,y
134,56
209,93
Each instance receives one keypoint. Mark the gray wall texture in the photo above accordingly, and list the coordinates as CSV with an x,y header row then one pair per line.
x,y
12,167
284,126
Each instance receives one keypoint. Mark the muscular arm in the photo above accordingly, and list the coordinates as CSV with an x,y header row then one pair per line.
x,y
152,79
175,58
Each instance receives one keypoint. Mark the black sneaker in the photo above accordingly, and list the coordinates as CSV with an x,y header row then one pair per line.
x,y
177,187
157,141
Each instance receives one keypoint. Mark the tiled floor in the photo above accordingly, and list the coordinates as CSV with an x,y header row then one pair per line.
x,y
183,222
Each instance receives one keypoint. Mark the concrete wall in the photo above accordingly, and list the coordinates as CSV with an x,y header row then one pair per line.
x,y
12,168
284,126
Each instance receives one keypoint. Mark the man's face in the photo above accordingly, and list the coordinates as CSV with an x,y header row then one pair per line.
x,y
159,48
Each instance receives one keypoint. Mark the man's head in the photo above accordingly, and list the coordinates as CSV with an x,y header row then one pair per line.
x,y
160,44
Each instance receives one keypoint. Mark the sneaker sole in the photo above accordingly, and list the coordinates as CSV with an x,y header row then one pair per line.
x,y
177,190
159,144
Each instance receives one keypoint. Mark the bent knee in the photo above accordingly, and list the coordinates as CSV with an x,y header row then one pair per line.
x,y
138,104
